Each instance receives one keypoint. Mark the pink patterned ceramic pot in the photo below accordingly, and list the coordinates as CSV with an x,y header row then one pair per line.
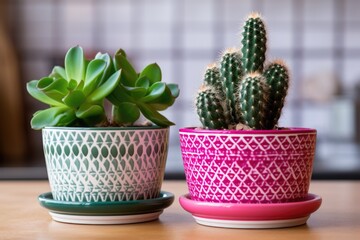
x,y
257,166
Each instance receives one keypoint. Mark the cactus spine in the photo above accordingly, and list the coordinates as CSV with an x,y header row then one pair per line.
x,y
240,91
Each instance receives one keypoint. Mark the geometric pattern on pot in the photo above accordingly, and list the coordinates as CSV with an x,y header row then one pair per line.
x,y
248,166
105,164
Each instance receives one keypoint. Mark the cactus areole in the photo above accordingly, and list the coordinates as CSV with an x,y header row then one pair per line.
x,y
243,91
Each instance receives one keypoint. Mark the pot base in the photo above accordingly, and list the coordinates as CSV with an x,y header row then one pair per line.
x,y
251,224
251,215
122,212
101,220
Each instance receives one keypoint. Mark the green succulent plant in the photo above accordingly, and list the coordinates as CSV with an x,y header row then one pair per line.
x,y
76,92
241,90
142,92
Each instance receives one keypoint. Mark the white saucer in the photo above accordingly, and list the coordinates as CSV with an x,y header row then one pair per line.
x,y
250,215
118,219
251,224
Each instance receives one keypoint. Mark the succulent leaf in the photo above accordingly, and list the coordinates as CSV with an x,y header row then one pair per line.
x,y
126,113
155,91
129,76
75,64
90,111
58,72
136,92
55,116
41,96
105,89
174,88
152,72
74,99
94,70
150,113
143,82
109,69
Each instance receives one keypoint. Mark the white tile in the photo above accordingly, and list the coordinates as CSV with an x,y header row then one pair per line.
x,y
193,77
352,37
351,72
77,12
37,35
318,36
287,116
36,69
117,12
157,11
80,34
315,66
191,119
319,10
232,36
199,38
236,11
280,37
351,10
277,11
198,11
78,28
115,40
36,10
156,38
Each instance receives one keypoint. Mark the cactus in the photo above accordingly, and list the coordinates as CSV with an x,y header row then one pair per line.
x,y
231,74
253,95
212,77
245,93
277,78
254,44
210,109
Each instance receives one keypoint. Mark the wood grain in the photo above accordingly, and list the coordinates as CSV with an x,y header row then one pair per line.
x,y
21,217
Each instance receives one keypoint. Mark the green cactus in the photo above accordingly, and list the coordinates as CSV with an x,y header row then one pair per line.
x,y
254,44
253,94
231,74
210,109
277,78
256,99
212,77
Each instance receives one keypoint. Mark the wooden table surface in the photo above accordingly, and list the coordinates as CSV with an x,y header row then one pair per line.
x,y
22,217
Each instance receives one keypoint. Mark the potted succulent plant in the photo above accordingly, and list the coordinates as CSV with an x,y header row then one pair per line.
x,y
93,157
241,156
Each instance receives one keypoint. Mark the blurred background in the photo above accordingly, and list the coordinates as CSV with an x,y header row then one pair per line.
x,y
320,41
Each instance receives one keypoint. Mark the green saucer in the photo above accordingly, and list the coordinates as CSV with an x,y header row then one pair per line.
x,y
119,208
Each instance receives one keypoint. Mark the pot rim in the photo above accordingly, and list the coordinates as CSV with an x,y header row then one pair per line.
x,y
290,130
153,127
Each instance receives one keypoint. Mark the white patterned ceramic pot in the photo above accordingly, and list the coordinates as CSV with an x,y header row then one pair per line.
x,y
256,166
105,164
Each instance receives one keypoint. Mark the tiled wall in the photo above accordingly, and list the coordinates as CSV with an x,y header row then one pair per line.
x,y
183,36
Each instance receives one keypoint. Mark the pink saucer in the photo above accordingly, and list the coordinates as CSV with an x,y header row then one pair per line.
x,y
269,215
